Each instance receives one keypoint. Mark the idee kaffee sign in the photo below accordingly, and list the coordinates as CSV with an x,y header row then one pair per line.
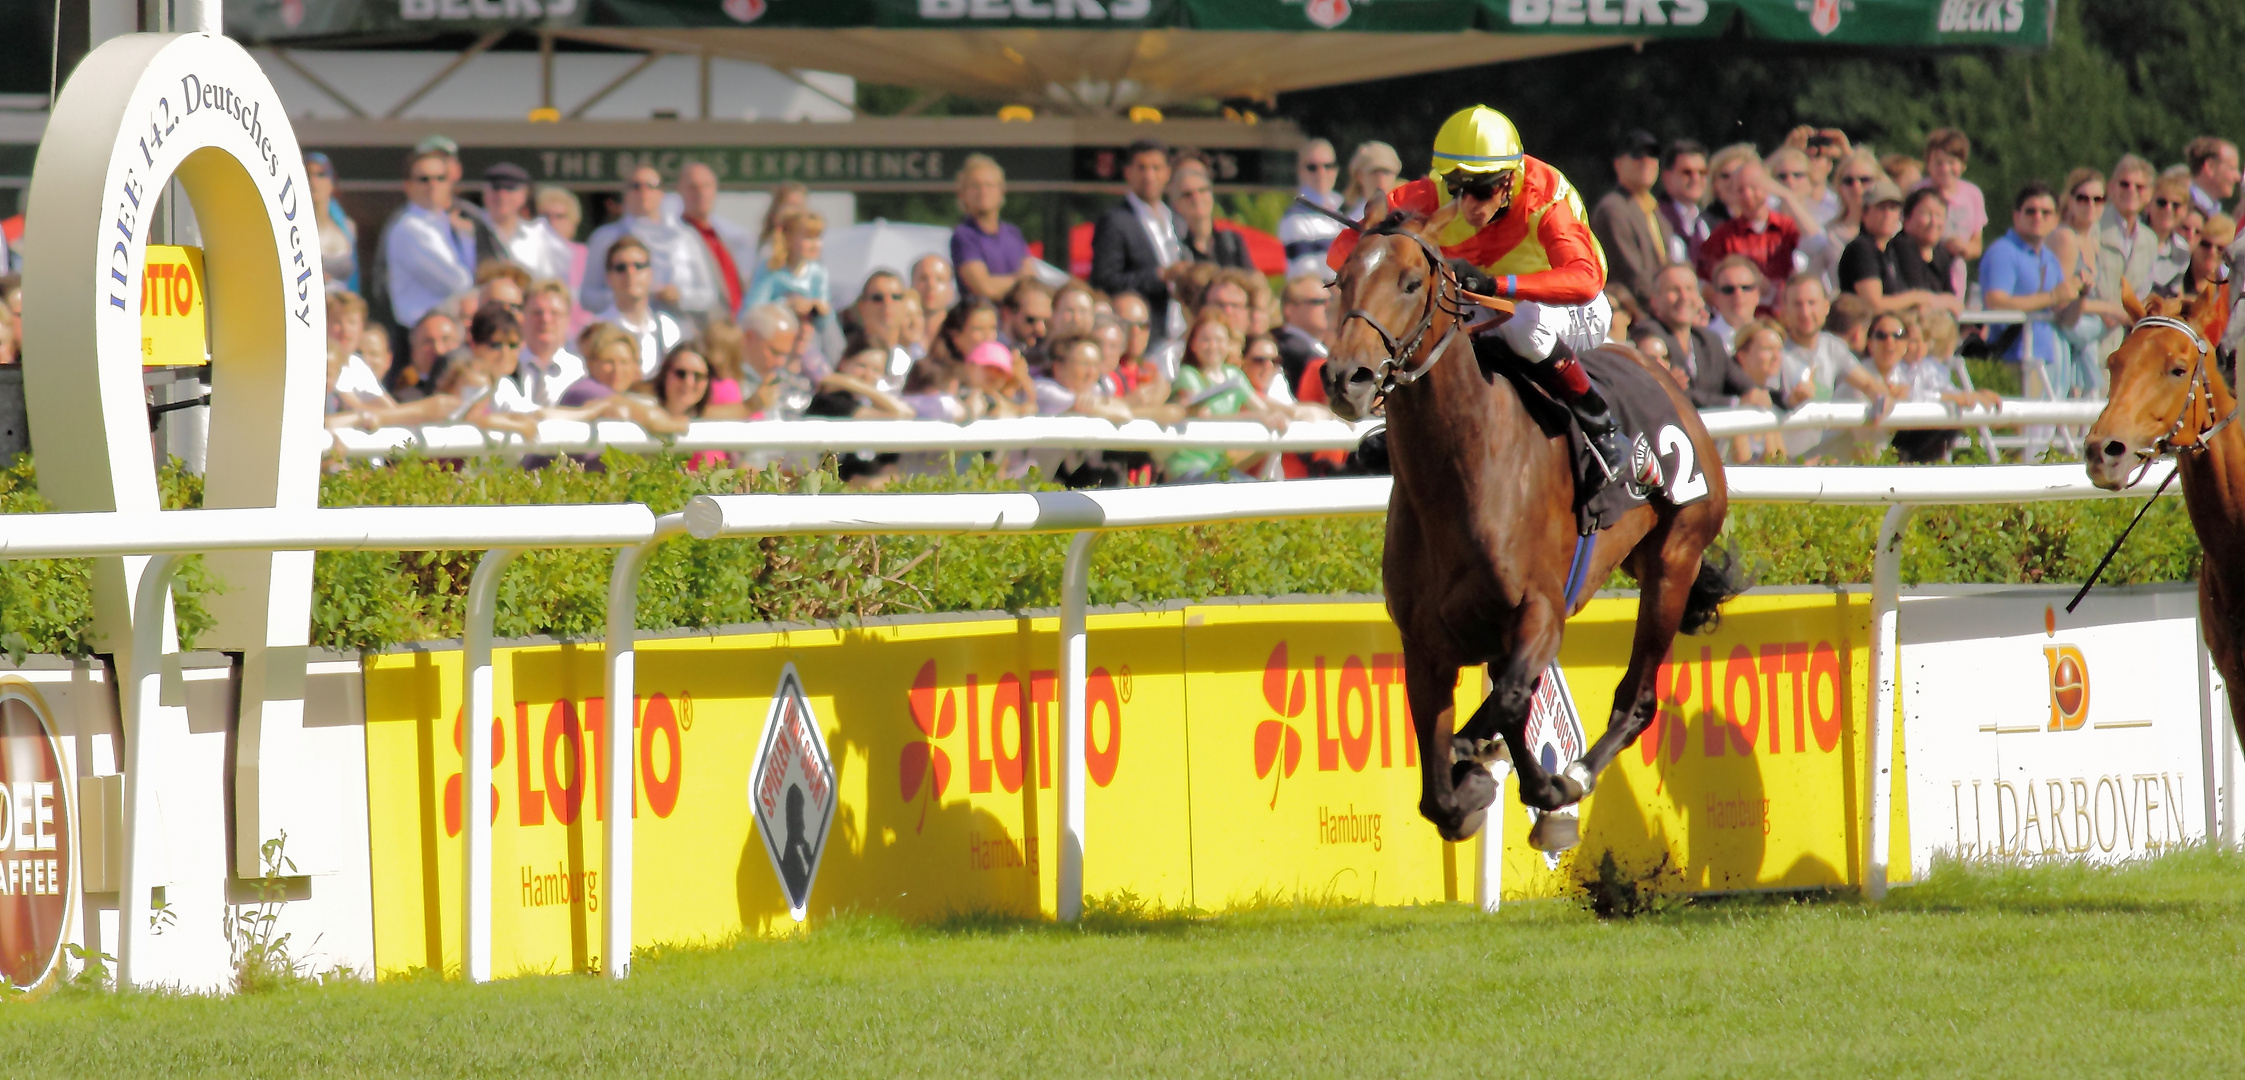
x,y
1233,750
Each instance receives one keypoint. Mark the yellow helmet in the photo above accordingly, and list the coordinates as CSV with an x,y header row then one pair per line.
x,y
1477,140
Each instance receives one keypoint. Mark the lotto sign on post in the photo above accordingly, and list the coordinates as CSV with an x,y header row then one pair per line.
x,y
38,840
172,330
791,791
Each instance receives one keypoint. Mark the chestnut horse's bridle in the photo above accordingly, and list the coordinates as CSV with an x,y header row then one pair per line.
x,y
1446,296
2200,384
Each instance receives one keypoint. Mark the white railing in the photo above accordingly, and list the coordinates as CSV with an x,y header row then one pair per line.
x,y
504,531
557,437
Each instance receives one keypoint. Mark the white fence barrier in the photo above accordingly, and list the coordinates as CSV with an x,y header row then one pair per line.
x,y
557,437
506,530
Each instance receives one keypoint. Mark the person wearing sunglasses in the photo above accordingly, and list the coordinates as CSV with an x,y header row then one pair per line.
x,y
2209,259
1522,228
2169,219
1683,195
631,276
530,242
2124,248
339,235
1192,207
1627,220
2021,273
1307,234
427,257
679,264
2081,207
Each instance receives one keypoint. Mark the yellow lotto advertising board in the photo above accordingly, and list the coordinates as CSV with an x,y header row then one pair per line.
x,y
173,328
1234,752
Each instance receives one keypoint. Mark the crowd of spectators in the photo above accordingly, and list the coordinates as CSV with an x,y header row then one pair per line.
x,y
1824,271
1818,271
493,314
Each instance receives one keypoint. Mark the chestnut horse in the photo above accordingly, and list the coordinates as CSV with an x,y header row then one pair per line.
x,y
2168,396
1481,530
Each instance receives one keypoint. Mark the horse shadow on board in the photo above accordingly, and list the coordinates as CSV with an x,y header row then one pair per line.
x,y
1700,768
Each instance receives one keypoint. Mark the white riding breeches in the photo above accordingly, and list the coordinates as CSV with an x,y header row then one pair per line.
x,y
1534,328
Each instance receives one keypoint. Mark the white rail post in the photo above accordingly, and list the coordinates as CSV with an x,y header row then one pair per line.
x,y
1075,593
2209,786
2233,822
475,775
1886,602
1488,848
143,695
618,785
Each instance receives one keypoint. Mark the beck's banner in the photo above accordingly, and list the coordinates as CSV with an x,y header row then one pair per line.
x,y
1850,22
1235,752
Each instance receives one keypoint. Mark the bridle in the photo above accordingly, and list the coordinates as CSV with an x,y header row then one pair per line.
x,y
1445,296
2201,384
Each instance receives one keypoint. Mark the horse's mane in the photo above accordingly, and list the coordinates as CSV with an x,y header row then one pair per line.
x,y
1429,226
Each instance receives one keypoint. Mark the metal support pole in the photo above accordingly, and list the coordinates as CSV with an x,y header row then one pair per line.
x,y
476,714
1075,589
2233,823
2209,790
153,637
1886,602
1488,848
617,791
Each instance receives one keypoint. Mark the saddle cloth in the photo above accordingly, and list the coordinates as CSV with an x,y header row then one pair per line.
x,y
1662,460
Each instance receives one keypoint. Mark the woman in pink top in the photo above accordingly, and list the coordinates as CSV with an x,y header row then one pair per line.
x,y
1946,152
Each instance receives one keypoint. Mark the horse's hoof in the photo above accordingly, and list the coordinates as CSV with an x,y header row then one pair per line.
x,y
1580,773
1466,829
1483,752
1555,832
1472,787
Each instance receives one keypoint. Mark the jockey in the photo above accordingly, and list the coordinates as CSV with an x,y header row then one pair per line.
x,y
1522,231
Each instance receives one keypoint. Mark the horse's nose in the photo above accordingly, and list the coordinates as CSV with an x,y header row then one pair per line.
x,y
2113,449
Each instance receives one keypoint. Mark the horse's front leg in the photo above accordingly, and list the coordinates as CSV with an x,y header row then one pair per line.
x,y
1512,692
1454,795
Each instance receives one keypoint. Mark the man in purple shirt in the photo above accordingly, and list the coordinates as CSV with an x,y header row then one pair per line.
x,y
988,253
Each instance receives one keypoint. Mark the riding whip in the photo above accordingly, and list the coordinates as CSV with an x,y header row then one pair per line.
x,y
2122,539
1335,215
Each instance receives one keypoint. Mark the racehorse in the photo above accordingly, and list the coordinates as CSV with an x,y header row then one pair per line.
x,y
1481,532
2168,396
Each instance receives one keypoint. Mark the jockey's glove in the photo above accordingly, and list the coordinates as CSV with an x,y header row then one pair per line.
x,y
1471,278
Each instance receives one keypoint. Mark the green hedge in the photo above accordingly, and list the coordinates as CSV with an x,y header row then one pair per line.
x,y
374,599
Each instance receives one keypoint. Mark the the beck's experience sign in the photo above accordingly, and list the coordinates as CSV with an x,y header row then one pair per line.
x,y
38,840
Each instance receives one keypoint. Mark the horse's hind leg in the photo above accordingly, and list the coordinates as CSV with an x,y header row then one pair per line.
x,y
1455,796
1664,576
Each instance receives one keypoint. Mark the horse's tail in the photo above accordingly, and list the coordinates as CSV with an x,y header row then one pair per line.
x,y
1722,575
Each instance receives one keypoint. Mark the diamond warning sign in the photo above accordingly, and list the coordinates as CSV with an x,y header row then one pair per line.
x,y
791,791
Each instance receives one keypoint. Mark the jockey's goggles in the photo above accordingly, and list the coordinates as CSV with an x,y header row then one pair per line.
x,y
1463,184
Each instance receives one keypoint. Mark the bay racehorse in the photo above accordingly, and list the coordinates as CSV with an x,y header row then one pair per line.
x,y
2168,396
1481,532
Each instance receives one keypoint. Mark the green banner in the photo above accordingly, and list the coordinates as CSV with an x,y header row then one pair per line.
x,y
1920,23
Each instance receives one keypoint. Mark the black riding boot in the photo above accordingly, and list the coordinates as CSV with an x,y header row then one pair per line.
x,y
1563,376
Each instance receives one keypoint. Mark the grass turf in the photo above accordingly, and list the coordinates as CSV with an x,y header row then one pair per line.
x,y
1982,971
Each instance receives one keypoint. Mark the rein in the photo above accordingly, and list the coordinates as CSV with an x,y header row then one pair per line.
x,y
1396,371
